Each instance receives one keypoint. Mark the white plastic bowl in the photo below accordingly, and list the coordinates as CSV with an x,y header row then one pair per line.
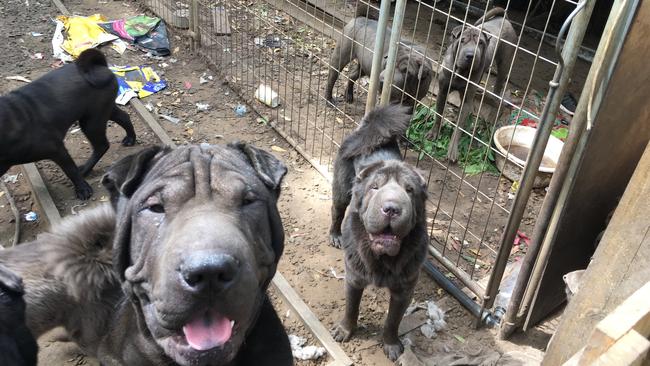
x,y
520,144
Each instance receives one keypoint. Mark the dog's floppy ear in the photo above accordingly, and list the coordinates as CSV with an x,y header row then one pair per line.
x,y
365,171
122,180
455,33
269,168
271,171
485,37
123,177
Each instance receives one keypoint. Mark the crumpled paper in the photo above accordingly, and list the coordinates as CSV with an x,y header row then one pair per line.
x,y
302,352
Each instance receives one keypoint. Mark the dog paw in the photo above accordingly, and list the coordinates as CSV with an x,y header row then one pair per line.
x,y
341,333
335,240
84,191
128,141
393,351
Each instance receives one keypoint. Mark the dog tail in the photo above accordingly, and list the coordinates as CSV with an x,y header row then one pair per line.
x,y
364,10
94,68
379,127
79,253
492,13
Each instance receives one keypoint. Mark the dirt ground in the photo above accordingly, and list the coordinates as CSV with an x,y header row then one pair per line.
x,y
309,264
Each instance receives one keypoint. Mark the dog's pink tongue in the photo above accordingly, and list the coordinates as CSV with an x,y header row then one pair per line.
x,y
207,330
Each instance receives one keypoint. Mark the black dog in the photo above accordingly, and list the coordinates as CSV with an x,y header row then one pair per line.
x,y
34,119
383,232
17,345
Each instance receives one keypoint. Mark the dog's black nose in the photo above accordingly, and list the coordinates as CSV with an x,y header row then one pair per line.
x,y
391,209
209,272
469,56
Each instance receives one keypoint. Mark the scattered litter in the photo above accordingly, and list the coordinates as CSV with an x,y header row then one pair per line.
x,y
435,322
82,33
204,78
136,81
13,178
267,96
173,60
149,107
459,338
31,216
36,34
428,331
302,352
521,238
335,275
262,120
148,33
436,315
202,107
164,65
171,119
57,43
19,78
119,46
271,41
277,149
241,110
187,85
37,56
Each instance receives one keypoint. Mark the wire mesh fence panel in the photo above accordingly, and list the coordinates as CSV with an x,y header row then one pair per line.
x,y
284,55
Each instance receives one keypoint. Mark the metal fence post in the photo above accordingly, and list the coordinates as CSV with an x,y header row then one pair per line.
x,y
527,281
393,46
194,25
378,55
557,87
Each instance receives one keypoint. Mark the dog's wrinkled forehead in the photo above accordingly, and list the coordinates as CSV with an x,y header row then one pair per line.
x,y
394,170
210,167
473,35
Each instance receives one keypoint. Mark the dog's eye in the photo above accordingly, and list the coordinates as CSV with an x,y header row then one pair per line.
x,y
249,198
154,204
156,208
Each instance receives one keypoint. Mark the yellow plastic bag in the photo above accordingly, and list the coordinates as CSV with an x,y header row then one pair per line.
x,y
82,33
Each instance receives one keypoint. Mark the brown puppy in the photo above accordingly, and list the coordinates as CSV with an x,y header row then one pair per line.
x,y
472,50
413,72
384,230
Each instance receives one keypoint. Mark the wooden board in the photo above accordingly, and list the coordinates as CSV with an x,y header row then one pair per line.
x,y
630,350
632,314
619,269
42,195
310,320
606,170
